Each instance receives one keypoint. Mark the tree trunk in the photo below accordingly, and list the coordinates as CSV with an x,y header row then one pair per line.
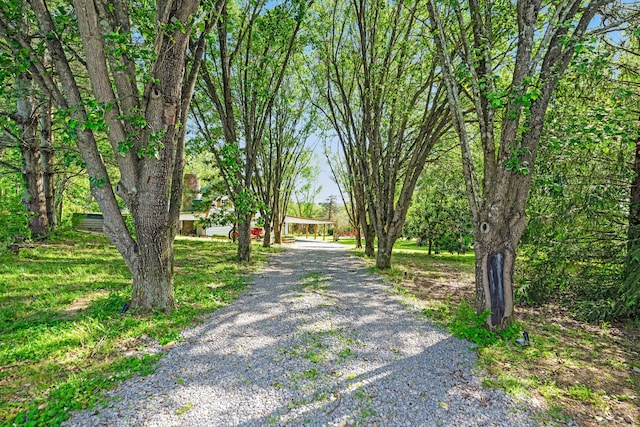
x,y
277,224
48,165
494,281
367,230
385,247
244,238
153,277
358,238
34,198
369,240
266,240
277,231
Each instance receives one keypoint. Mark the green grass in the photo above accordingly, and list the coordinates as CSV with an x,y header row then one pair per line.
x,y
407,249
314,281
62,338
579,370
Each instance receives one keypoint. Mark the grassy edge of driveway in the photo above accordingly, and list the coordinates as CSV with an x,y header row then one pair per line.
x,y
63,339
572,373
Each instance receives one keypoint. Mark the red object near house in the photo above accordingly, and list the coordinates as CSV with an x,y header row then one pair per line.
x,y
257,233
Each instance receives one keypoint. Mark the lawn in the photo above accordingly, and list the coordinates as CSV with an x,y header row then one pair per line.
x,y
63,338
572,370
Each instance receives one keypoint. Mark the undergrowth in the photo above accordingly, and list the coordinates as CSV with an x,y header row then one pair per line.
x,y
465,323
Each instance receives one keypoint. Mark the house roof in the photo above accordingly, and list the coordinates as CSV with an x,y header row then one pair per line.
x,y
192,216
297,220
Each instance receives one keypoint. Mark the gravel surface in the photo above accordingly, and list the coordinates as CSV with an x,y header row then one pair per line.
x,y
317,340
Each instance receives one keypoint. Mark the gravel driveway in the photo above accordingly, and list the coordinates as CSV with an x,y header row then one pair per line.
x,y
317,340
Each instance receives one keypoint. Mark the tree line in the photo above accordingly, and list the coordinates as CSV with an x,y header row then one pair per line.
x,y
458,116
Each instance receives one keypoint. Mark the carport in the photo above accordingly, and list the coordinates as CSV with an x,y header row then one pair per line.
x,y
306,226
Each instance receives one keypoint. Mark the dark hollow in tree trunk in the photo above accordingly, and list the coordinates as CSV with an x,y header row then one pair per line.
x,y
495,263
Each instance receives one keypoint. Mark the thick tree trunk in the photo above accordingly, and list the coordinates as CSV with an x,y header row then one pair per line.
x,y
494,283
385,247
153,277
495,252
34,198
244,239
150,183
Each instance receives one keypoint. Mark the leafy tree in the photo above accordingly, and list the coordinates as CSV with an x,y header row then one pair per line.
x,y
503,60
27,127
629,78
141,83
573,247
383,97
575,243
439,212
280,159
246,64
330,207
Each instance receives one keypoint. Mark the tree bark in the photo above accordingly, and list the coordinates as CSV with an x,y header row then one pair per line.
x,y
48,164
266,240
495,253
34,197
277,222
385,247
244,238
368,232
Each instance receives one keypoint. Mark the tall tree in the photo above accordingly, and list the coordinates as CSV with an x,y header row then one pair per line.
x,y
505,58
625,45
246,65
384,98
280,158
135,58
24,127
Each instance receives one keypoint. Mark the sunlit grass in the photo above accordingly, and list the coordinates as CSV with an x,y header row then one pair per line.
x,y
573,370
62,337
405,250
